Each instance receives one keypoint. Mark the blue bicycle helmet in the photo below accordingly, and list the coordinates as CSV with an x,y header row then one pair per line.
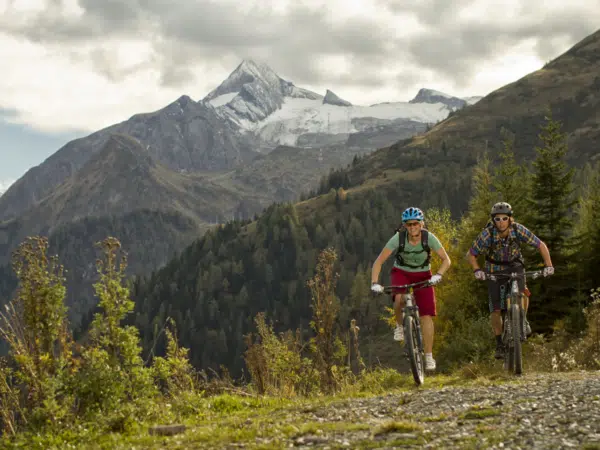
x,y
412,214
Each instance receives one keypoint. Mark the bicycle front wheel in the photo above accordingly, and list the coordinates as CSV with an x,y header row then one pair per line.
x,y
415,355
509,352
516,327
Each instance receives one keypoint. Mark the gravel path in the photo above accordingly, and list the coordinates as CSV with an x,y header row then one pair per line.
x,y
539,411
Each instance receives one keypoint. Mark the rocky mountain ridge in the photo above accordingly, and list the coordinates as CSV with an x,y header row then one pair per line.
x,y
250,113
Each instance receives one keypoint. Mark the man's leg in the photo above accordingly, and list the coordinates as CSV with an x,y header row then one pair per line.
x,y
496,320
523,288
495,304
525,308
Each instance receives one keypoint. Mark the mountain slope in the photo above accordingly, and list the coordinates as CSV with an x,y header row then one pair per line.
x,y
184,136
150,237
120,178
122,191
242,269
123,178
569,86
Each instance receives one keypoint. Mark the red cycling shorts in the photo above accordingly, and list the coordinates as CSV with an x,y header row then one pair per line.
x,y
425,297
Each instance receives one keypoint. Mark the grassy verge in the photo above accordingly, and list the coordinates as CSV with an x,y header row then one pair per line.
x,y
263,422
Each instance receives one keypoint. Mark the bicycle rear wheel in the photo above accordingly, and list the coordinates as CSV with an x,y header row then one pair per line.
x,y
415,355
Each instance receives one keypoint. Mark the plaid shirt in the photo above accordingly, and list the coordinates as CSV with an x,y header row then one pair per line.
x,y
493,246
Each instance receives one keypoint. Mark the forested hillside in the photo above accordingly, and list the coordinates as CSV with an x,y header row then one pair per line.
x,y
217,286
547,125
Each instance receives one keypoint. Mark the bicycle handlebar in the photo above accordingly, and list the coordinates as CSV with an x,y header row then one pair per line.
x,y
420,284
514,275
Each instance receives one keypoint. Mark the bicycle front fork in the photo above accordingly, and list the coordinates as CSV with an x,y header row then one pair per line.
x,y
507,335
414,312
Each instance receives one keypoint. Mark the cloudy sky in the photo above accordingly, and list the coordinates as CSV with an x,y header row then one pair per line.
x,y
70,67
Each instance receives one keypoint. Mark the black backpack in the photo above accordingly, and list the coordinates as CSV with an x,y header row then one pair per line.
x,y
402,244
495,246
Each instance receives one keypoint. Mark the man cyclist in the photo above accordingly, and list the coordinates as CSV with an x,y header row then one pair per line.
x,y
500,243
412,266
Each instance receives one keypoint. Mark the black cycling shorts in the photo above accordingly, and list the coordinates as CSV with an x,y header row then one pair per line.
x,y
498,289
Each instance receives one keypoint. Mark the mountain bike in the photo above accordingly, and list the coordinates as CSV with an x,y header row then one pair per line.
x,y
513,319
413,338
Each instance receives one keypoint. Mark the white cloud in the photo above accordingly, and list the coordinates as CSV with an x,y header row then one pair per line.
x,y
54,90
86,64
4,185
508,67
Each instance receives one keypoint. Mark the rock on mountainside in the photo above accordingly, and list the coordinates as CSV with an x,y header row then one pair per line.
x,y
332,99
121,177
432,96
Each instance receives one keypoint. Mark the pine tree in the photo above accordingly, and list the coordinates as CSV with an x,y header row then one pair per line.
x,y
551,220
513,184
512,181
481,201
588,232
552,191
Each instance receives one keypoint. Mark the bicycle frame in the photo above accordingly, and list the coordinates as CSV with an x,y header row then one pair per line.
x,y
514,292
513,319
413,350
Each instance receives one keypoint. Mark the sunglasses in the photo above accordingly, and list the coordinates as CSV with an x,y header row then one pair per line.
x,y
500,219
411,224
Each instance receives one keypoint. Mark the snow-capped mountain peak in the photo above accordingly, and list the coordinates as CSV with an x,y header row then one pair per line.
x,y
252,92
255,99
247,72
258,69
